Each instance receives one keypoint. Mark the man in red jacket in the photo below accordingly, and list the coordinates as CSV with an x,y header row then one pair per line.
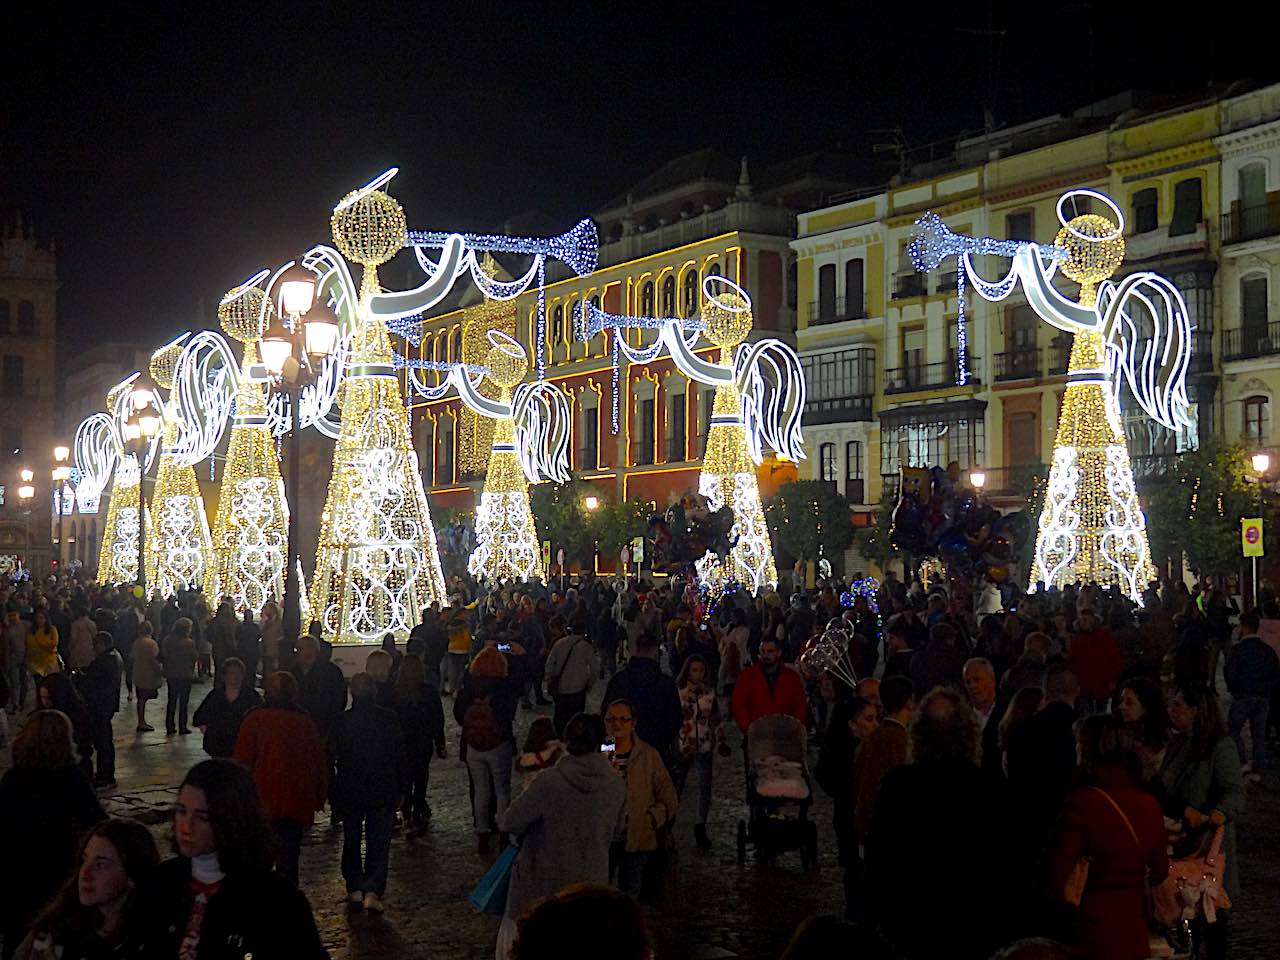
x,y
767,687
1094,657
279,745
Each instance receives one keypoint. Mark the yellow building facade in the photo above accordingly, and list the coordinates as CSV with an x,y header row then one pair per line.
x,y
879,339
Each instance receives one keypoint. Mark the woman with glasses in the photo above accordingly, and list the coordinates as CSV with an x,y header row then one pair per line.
x,y
651,802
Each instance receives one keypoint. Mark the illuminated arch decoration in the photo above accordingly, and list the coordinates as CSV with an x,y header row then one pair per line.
x,y
1135,334
179,545
759,402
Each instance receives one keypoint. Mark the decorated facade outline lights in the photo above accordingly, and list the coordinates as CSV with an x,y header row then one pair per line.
x,y
179,545
530,444
377,566
758,402
1135,334
249,532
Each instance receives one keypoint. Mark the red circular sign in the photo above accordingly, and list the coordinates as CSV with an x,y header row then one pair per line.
x,y
1251,534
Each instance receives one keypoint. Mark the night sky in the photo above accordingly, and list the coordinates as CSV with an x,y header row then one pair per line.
x,y
171,158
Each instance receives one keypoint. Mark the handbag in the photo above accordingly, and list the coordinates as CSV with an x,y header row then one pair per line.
x,y
1194,885
1078,876
490,894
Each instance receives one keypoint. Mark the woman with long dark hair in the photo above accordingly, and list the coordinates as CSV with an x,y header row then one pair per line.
x,y
93,916
1141,707
417,705
219,899
1204,789
57,692
46,803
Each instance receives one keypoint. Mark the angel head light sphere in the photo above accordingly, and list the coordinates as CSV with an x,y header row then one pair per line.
x,y
245,312
1133,334
369,225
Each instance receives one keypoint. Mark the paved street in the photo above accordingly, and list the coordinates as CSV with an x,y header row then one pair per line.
x,y
727,910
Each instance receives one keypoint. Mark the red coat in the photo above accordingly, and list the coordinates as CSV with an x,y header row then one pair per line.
x,y
282,750
753,698
1110,922
1095,660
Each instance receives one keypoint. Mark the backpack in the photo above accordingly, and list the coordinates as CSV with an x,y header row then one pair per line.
x,y
480,727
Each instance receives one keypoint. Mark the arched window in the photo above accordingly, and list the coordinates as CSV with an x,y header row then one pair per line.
x,y
586,347
1257,419
669,295
26,318
455,354
4,317
646,299
557,327
827,461
690,297
714,270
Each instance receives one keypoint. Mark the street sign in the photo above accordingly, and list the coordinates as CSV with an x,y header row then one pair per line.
x,y
1251,536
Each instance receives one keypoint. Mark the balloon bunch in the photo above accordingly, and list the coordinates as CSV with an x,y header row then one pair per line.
x,y
829,654
938,517
687,532
868,587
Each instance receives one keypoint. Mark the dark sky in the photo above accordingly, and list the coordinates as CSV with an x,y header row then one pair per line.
x,y
172,156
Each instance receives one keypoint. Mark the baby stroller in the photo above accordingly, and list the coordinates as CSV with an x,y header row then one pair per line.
x,y
779,791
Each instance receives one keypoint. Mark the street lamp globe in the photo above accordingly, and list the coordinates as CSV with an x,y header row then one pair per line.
x,y
591,503
61,454
25,475
978,479
1261,462
26,491
297,291
277,348
320,332
61,474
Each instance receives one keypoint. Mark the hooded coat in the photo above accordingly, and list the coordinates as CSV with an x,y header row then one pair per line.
x,y
566,819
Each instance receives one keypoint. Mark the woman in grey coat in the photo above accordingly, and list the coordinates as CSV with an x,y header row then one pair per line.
x,y
1204,787
565,820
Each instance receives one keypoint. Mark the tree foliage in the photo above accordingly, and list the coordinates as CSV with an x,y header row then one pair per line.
x,y
873,541
808,519
1196,507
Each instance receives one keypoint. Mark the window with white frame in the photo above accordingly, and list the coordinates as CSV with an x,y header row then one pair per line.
x,y
827,461
1257,419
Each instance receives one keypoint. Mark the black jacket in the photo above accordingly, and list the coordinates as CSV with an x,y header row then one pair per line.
x,y
100,684
322,692
126,630
222,718
968,833
253,914
369,752
1042,763
659,715
503,696
43,814
422,723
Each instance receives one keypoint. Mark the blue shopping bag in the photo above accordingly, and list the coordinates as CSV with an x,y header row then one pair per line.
x,y
490,894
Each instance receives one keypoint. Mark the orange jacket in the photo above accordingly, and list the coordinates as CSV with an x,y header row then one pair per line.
x,y
282,750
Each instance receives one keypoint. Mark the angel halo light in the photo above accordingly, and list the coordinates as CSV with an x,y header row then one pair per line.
x,y
1133,334
758,403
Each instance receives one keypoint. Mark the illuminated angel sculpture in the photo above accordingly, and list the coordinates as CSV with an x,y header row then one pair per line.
x,y
530,444
251,527
1135,333
178,545
101,451
758,402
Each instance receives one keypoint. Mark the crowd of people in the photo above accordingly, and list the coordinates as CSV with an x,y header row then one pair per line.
x,y
1022,771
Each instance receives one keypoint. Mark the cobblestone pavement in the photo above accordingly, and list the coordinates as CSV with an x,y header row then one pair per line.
x,y
726,910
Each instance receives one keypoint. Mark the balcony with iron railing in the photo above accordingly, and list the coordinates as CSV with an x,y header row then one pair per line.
x,y
676,449
853,408
641,453
588,458
1020,364
835,310
1251,223
1201,353
1251,341
927,376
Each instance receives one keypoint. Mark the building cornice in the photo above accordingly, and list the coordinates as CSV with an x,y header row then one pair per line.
x,y
1159,160
1249,140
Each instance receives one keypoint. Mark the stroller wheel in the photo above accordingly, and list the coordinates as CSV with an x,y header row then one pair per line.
x,y
742,842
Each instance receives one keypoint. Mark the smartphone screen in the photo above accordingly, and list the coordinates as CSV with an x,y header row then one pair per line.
x,y
608,747
504,647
